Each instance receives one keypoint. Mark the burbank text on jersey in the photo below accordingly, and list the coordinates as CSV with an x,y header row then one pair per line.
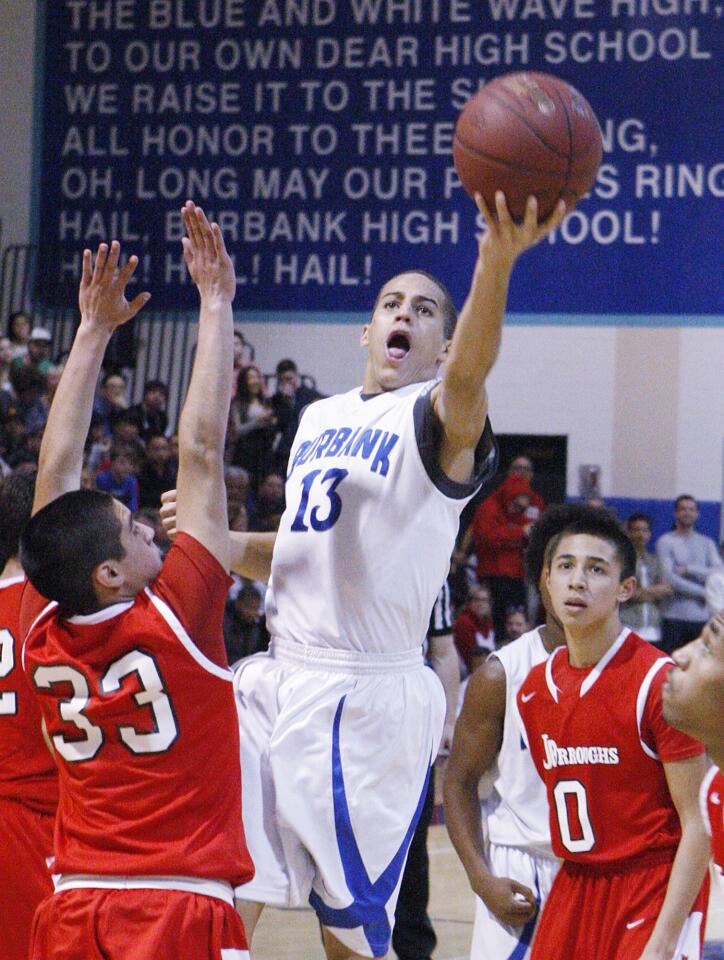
x,y
345,442
570,756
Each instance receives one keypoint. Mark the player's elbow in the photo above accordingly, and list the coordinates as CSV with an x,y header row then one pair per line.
x,y
200,451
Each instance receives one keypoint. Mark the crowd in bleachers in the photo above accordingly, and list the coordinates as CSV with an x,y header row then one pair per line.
x,y
132,453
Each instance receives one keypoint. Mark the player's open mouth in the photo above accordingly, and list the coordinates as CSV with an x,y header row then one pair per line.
x,y
398,345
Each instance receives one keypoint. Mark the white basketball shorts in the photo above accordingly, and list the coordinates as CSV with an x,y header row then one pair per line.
x,y
336,749
493,940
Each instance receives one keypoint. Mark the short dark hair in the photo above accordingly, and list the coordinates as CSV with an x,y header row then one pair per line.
x,y
16,504
63,544
109,374
449,311
284,366
553,521
602,524
150,385
685,496
639,518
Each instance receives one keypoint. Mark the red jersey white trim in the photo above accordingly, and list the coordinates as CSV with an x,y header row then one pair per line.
x,y
643,697
88,881
175,624
604,661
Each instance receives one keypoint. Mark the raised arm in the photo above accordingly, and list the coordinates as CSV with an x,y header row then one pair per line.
x,y
250,553
103,308
478,735
460,401
201,494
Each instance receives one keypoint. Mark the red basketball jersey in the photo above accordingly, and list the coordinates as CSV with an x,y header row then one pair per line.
x,y
138,702
27,769
599,740
712,810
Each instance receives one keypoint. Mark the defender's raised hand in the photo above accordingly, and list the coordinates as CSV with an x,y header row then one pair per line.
x,y
205,254
102,293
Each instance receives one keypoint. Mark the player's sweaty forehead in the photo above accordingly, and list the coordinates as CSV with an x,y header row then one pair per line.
x,y
411,284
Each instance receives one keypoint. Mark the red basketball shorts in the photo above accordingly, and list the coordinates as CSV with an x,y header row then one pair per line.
x,y
137,924
595,915
26,841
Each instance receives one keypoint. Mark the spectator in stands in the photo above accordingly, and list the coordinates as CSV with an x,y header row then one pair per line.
x,y
150,414
244,628
473,628
28,386
37,355
253,425
6,357
26,452
522,466
291,397
13,436
119,479
687,558
237,490
18,333
126,433
499,534
111,400
641,613
266,505
157,473
516,624
239,361
52,379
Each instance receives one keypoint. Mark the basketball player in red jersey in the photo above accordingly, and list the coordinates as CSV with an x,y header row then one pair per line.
x,y
694,702
128,659
622,784
28,776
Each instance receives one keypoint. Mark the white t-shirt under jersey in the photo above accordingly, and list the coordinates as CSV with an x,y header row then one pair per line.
x,y
370,523
519,814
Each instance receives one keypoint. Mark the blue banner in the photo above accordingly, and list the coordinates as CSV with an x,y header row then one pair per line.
x,y
318,133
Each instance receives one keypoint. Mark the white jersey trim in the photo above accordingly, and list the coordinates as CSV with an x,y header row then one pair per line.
x,y
604,661
11,581
40,616
201,885
223,673
554,690
643,696
100,616
704,797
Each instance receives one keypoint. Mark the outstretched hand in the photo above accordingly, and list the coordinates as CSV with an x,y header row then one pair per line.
x,y
507,239
205,254
102,293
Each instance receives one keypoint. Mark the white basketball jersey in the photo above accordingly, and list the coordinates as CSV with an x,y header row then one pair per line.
x,y
520,807
370,523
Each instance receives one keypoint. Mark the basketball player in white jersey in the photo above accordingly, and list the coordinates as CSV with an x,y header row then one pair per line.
x,y
340,721
512,869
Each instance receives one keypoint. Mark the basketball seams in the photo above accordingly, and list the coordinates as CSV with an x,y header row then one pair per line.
x,y
508,164
493,94
569,125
